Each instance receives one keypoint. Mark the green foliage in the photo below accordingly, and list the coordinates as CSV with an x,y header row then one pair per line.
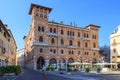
x,y
48,68
69,69
87,70
98,70
10,69
52,68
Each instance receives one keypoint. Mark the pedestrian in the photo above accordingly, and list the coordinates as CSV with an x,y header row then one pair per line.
x,y
43,71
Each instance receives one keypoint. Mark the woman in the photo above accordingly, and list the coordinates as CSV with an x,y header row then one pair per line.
x,y
43,70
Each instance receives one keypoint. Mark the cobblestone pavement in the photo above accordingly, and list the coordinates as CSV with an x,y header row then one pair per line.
x,y
36,75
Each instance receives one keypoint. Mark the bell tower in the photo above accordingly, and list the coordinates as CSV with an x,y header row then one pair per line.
x,y
39,24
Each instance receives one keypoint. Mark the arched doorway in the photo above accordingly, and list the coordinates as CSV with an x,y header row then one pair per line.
x,y
53,62
94,61
40,62
70,60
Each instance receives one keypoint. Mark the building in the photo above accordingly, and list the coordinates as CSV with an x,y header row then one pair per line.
x,y
20,57
7,46
57,44
115,47
105,53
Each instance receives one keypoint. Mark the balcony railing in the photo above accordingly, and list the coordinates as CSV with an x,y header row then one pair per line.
x,y
95,49
85,38
52,34
71,47
114,54
39,44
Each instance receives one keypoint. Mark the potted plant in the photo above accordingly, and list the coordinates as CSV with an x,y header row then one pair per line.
x,y
87,70
98,70
69,70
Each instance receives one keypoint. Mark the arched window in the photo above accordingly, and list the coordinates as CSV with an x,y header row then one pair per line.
x,y
84,35
62,42
78,43
78,34
94,45
72,52
62,52
62,32
71,43
53,41
54,30
86,45
69,52
73,33
40,39
42,29
87,36
51,30
78,52
68,33
39,28
114,50
4,34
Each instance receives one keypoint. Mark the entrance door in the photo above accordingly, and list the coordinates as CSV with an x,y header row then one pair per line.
x,y
40,62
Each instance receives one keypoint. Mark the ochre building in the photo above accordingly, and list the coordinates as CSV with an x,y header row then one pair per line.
x,y
115,47
58,44
7,46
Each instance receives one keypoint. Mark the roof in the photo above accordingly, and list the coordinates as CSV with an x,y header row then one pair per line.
x,y
92,25
39,6
3,26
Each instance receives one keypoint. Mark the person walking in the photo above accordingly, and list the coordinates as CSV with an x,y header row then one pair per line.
x,y
43,71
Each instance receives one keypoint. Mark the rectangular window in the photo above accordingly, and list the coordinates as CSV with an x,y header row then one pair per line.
x,y
41,50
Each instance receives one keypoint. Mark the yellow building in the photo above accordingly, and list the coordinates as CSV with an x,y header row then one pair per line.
x,y
57,44
7,46
115,47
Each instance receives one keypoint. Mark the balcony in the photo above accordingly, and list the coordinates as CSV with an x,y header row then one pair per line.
x,y
114,54
71,47
39,44
85,38
52,34
95,49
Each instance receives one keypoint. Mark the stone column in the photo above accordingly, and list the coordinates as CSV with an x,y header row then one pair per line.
x,y
35,64
57,65
47,63
66,65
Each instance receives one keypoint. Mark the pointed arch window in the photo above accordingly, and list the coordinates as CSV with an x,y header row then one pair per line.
x,y
62,41
62,52
39,28
53,41
86,44
71,43
78,43
40,39
42,29
62,32
51,30
54,30
94,45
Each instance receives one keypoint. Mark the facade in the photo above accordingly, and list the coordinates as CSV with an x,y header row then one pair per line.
x,y
115,47
20,57
57,44
7,46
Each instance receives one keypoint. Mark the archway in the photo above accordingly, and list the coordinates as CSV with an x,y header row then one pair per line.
x,y
94,61
40,62
70,60
53,62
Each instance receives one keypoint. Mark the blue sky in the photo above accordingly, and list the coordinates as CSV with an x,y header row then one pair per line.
x,y
105,13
